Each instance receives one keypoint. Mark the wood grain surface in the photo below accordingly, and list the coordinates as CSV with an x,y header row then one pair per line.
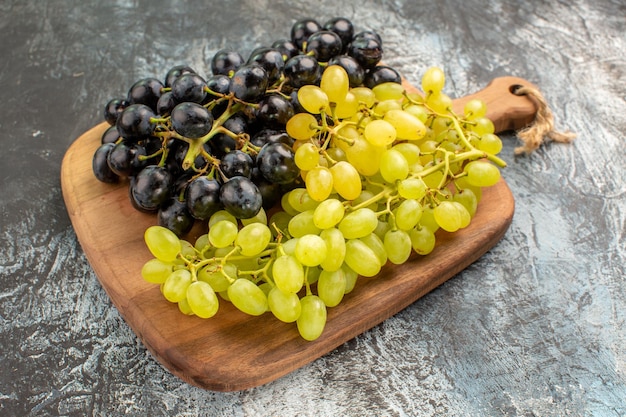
x,y
234,351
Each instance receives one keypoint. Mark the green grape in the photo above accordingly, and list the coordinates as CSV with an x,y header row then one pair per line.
x,y
289,247
312,319
361,258
221,215
286,205
335,83
466,218
156,271
331,287
288,273
364,196
388,91
247,297
328,213
365,96
279,220
408,214
468,199
447,216
351,278
253,239
433,80
285,306
422,240
474,109
375,243
379,133
361,222
482,173
175,286
183,307
407,126
312,274
223,233
307,156
336,248
203,246
319,183
217,276
439,102
312,99
409,150
398,246
348,107
300,200
412,188
364,156
463,183
186,249
301,126
482,126
418,111
393,166
336,154
202,299
383,227
433,179
162,243
311,250
346,180
490,143
302,224
260,217
428,219
387,105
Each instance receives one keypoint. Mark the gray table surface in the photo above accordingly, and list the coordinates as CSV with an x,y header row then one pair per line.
x,y
536,327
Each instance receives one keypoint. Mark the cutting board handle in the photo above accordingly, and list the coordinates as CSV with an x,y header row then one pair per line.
x,y
506,110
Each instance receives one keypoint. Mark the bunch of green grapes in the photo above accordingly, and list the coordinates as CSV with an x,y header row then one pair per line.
x,y
383,169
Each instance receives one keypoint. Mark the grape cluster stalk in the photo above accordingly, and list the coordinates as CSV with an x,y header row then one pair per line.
x,y
309,165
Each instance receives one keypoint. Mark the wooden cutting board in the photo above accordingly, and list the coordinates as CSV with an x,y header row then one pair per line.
x,y
233,351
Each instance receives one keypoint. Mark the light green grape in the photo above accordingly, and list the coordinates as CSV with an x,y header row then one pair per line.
x,y
328,213
398,246
223,233
331,287
365,96
351,278
393,166
156,271
313,99
388,91
202,299
347,107
336,248
253,239
175,286
311,250
301,126
307,156
285,306
260,217
468,199
447,216
319,183
312,319
364,156
407,126
288,274
422,240
247,297
162,243
433,80
408,214
300,200
302,224
335,83
380,133
412,188
217,276
482,173
221,215
375,243
361,259
361,222
346,180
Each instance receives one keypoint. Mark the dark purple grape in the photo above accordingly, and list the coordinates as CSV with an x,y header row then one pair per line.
x,y
271,59
342,27
174,215
145,91
274,110
249,83
218,84
324,45
269,135
367,51
222,143
356,73
189,87
236,163
241,197
302,70
100,166
270,192
202,196
276,163
381,74
368,34
165,104
302,29
113,108
134,123
225,61
151,187
286,47
176,72
111,135
125,159
191,120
